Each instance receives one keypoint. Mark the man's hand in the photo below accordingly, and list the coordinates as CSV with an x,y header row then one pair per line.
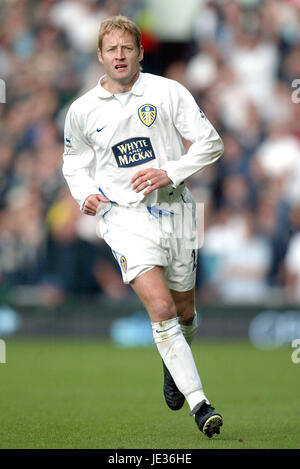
x,y
158,178
93,203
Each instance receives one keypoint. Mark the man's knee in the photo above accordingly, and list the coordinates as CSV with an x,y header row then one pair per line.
x,y
186,313
185,306
163,310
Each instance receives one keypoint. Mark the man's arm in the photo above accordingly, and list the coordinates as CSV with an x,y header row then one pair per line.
x,y
192,125
79,166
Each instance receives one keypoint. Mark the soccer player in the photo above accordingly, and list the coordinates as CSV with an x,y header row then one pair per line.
x,y
124,159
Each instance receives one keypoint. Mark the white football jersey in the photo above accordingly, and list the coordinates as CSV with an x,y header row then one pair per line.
x,y
108,138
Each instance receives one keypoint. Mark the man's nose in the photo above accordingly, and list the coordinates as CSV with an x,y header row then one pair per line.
x,y
120,53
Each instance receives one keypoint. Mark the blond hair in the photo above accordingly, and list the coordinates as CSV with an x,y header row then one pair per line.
x,y
122,23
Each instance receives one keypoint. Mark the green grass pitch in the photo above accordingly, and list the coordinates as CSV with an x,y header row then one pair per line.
x,y
91,394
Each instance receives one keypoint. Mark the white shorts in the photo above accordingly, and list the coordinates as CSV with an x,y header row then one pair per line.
x,y
163,235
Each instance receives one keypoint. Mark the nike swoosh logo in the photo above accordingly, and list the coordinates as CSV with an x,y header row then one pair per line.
x,y
99,130
159,332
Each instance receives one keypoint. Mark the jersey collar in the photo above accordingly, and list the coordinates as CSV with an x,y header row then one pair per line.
x,y
137,89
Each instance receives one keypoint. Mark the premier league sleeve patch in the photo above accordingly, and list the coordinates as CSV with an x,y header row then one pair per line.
x,y
147,114
133,151
68,145
202,114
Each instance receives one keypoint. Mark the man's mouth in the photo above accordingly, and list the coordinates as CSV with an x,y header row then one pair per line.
x,y
120,66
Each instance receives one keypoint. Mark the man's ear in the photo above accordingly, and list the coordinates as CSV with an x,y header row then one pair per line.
x,y
141,55
99,56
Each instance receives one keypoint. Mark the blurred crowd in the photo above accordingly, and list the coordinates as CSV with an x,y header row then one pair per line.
x,y
241,63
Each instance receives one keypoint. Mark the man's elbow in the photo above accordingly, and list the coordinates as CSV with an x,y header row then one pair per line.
x,y
219,148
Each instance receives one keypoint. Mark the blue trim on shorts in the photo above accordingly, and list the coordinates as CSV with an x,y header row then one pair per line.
x,y
111,206
111,201
158,211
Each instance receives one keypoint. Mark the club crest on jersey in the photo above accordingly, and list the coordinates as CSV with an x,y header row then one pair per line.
x,y
123,263
133,151
147,114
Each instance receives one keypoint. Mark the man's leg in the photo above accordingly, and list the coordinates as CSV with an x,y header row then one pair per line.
x,y
185,307
207,420
152,289
186,312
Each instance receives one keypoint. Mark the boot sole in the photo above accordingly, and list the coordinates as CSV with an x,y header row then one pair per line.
x,y
212,425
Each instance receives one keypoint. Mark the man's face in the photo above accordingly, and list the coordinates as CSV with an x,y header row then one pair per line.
x,y
120,57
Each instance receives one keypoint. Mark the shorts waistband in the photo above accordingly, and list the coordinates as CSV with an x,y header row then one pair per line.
x,y
158,207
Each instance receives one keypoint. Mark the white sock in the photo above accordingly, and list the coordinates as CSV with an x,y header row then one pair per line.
x,y
190,329
178,358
